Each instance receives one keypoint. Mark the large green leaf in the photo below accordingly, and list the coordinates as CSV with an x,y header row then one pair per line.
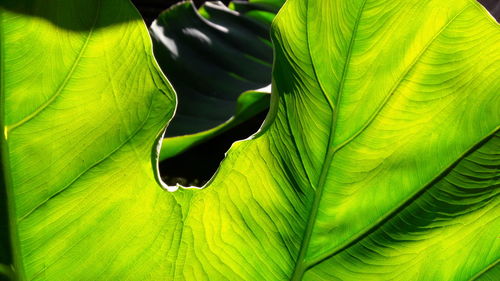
x,y
82,103
379,158
212,57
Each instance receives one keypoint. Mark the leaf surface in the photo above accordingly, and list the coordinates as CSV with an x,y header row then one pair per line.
x,y
378,160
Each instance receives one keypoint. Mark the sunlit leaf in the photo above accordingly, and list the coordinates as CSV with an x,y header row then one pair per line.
x,y
378,160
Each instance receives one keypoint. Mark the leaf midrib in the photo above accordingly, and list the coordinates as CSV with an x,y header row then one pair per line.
x,y
301,263
16,258
342,145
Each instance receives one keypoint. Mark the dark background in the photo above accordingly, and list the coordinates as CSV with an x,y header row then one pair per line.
x,y
493,6
150,9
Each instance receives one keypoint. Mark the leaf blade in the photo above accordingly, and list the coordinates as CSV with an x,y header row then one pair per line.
x,y
115,221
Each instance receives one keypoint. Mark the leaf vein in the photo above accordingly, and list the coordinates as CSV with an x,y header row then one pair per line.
x,y
67,78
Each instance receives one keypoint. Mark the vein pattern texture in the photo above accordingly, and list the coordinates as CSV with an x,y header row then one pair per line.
x,y
379,159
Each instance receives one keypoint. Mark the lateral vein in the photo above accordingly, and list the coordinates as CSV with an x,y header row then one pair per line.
x,y
59,90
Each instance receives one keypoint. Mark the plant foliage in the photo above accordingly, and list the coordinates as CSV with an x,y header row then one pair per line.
x,y
219,62
378,160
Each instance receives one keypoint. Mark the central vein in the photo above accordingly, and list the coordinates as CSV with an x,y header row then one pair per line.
x,y
302,264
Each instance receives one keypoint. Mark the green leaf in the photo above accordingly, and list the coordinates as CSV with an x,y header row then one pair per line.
x,y
6,272
248,104
378,160
82,102
211,58
276,4
490,273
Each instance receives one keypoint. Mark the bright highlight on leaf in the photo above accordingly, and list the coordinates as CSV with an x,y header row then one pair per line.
x,y
378,160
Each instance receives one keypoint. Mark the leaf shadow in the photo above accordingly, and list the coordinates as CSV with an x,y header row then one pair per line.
x,y
80,15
